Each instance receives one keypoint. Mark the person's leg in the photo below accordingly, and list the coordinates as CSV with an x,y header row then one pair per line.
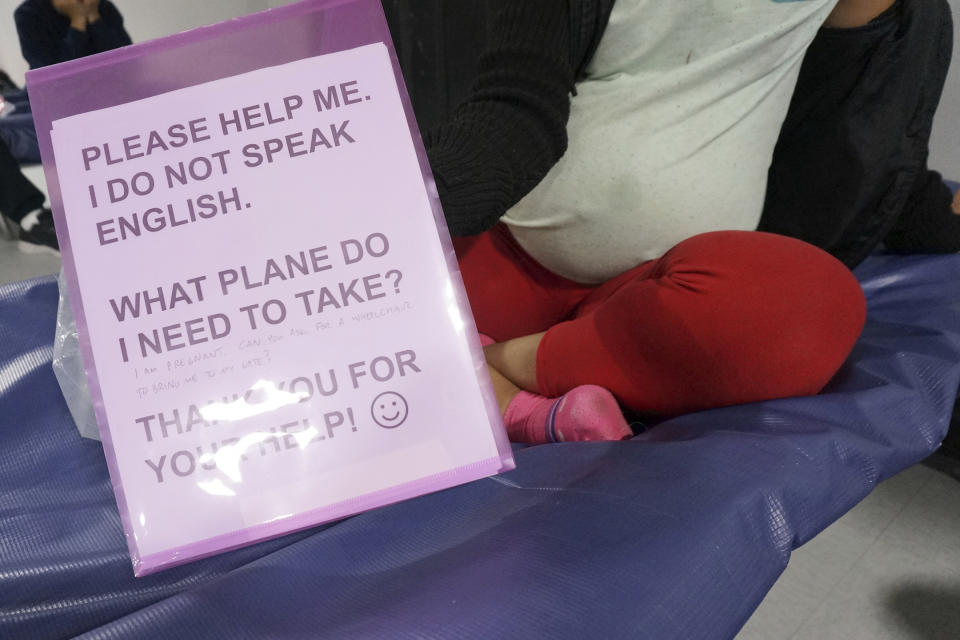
x,y
22,202
18,196
17,132
7,85
18,98
723,318
512,296
516,359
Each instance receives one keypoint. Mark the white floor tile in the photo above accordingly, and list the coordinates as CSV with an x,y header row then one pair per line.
x,y
889,569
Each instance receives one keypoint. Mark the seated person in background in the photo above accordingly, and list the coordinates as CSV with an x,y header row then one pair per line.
x,y
17,132
53,31
23,203
7,83
50,31
616,262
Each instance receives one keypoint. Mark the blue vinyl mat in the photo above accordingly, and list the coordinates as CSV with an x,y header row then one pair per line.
x,y
678,533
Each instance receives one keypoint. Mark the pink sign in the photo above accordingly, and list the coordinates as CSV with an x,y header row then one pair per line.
x,y
273,325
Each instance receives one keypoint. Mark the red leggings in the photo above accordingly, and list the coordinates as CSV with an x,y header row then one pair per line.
x,y
722,318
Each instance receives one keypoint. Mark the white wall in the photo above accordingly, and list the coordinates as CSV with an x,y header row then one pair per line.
x,y
144,20
945,141
149,19
10,59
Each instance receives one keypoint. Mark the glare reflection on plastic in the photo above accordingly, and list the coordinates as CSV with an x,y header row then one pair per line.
x,y
250,405
263,397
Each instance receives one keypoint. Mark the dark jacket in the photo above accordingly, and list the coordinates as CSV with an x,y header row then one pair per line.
x,y
850,167
46,36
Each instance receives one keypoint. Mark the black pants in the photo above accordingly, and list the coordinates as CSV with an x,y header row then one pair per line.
x,y
850,167
18,196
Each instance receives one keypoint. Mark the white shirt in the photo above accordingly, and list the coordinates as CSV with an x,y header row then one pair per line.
x,y
671,133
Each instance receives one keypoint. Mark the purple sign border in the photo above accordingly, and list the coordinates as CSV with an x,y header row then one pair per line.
x,y
146,565
228,49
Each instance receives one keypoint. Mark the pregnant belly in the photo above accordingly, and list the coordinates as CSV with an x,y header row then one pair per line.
x,y
596,225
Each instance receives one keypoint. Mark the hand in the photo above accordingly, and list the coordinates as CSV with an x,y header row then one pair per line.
x,y
80,12
956,203
76,10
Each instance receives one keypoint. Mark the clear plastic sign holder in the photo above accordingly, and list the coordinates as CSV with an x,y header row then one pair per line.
x,y
269,310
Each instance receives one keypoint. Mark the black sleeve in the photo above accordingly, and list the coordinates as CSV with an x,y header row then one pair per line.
x,y
928,223
108,33
512,129
39,44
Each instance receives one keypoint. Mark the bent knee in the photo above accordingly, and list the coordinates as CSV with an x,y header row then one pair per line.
x,y
810,314
787,315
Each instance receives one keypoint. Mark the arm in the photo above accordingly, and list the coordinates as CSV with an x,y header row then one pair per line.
x,y
105,26
38,43
856,13
505,138
94,27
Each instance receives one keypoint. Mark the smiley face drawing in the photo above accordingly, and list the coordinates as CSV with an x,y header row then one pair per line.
x,y
389,410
